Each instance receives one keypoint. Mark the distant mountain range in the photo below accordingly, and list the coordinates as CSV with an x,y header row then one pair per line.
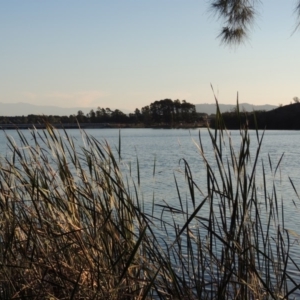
x,y
24,109
211,108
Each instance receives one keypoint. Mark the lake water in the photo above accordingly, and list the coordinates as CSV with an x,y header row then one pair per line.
x,y
165,149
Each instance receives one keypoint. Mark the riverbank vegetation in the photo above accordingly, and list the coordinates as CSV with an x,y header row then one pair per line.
x,y
282,118
165,113
74,227
159,113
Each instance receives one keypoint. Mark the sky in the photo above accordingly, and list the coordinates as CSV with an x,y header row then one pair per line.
x,y
125,54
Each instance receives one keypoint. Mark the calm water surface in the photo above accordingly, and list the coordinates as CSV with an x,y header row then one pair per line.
x,y
166,147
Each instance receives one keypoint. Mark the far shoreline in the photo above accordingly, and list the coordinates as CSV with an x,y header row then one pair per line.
x,y
101,126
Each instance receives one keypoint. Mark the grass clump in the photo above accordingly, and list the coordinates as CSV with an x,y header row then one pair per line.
x,y
73,228
68,226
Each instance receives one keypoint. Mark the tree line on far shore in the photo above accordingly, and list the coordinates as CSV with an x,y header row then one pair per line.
x,y
285,117
167,111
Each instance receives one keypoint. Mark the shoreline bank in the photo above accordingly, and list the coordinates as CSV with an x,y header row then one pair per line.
x,y
98,126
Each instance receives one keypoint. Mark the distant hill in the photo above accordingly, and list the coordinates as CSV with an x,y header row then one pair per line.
x,y
285,117
24,109
282,118
211,108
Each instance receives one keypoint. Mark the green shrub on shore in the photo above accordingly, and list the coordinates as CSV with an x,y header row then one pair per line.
x,y
72,227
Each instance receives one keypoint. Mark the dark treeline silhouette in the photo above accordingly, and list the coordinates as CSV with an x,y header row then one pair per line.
x,y
163,112
282,118
168,111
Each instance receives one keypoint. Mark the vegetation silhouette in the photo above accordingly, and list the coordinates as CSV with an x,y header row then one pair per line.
x,y
163,112
238,16
285,117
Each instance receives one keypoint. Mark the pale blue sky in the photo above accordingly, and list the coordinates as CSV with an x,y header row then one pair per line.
x,y
128,53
